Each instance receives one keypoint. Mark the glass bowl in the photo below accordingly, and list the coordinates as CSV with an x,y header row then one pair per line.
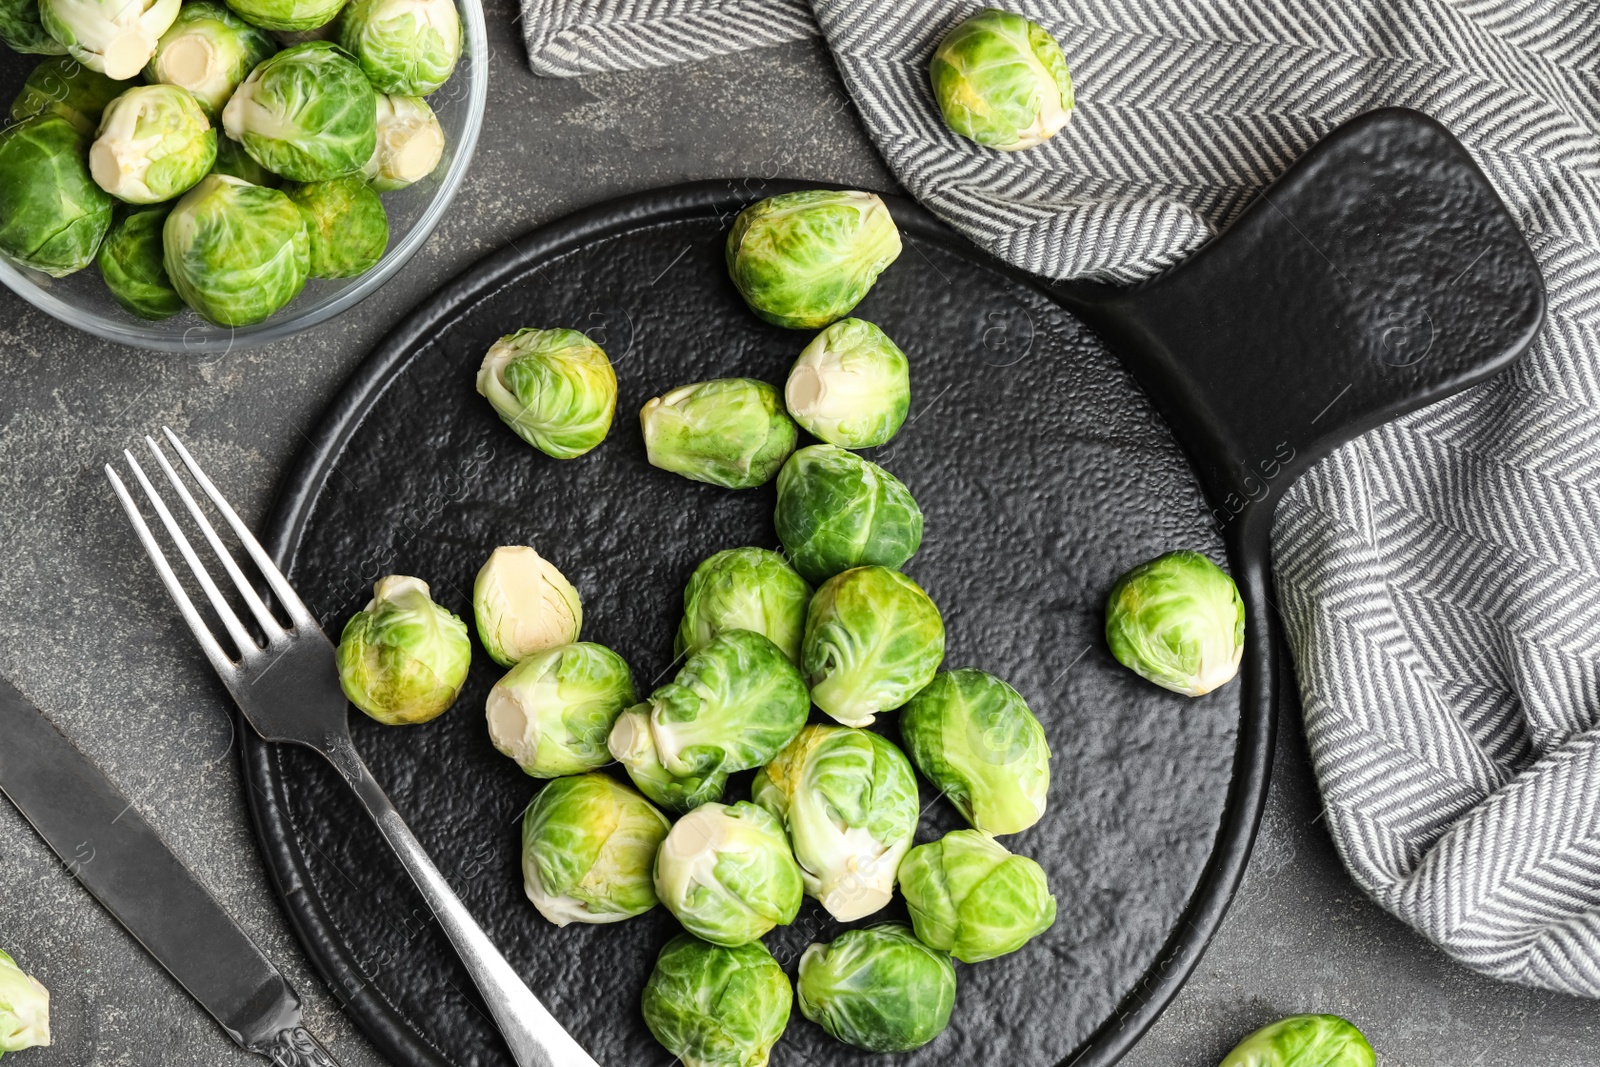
x,y
81,299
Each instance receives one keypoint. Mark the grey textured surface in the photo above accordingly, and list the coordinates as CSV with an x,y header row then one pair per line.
x,y
85,629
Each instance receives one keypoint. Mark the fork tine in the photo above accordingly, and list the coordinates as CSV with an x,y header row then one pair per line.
x,y
286,595
240,582
202,633
241,637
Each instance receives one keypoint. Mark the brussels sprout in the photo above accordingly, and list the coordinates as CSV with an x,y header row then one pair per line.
x,y
208,50
403,46
115,37
346,224
21,30
804,259
879,989
675,792
1002,81
727,874
851,386
1303,1041
971,898
848,800
1178,622
65,87
402,659
292,16
587,847
836,511
52,214
409,146
731,432
553,711
744,589
154,143
235,252
873,639
712,1006
733,704
130,263
24,1009
235,162
307,113
973,736
523,605
555,388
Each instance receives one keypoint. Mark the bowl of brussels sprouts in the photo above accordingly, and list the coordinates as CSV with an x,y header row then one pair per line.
x,y
203,176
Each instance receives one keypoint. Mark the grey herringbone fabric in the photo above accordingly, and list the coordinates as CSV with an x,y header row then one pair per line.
x,y
1440,577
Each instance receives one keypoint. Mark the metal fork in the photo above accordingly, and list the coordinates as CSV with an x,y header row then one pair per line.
x,y
289,691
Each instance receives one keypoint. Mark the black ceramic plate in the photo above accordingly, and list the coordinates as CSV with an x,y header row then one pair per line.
x,y
1044,471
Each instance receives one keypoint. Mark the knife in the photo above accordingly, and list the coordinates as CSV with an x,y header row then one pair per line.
x,y
120,859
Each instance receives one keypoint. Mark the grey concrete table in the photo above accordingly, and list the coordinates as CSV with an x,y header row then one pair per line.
x,y
86,630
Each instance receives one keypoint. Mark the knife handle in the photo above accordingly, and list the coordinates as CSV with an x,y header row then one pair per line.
x,y
295,1047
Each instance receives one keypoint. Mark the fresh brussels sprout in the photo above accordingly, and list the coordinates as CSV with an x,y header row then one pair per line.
x,y
744,589
403,46
307,113
52,214
848,800
731,432
21,30
1304,1041
346,224
130,262
1177,621
555,388
804,259
971,898
712,1006
65,87
587,847
409,146
154,143
208,50
115,37
727,874
553,711
873,639
25,1009
235,162
733,704
973,736
1002,81
288,15
402,659
235,252
851,386
836,511
522,604
879,988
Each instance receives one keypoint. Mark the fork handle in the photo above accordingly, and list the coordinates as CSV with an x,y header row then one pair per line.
x,y
535,1037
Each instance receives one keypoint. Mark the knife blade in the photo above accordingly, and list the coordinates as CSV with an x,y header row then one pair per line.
x,y
122,861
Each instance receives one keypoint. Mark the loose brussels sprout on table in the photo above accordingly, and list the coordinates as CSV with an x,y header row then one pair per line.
x,y
1002,81
713,1006
522,605
154,143
345,223
115,37
973,899
972,735
52,214
403,46
851,386
804,259
873,640
410,143
726,873
235,252
553,711
21,30
848,800
731,432
879,989
130,262
289,15
744,589
24,1008
1177,621
588,843
555,388
402,659
208,50
1304,1041
306,113
836,511
65,87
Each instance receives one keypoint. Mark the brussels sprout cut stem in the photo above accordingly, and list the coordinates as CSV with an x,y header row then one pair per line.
x,y
879,989
402,659
1303,1041
522,605
1177,621
836,511
731,432
554,710
115,37
744,589
24,1009
208,50
726,873
1002,81
712,1006
970,897
154,143
410,143
555,388
587,846
873,639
